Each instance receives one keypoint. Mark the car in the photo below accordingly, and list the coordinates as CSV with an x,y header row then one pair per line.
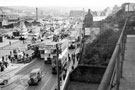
x,y
35,76
4,79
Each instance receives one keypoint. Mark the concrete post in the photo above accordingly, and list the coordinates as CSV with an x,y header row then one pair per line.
x,y
118,70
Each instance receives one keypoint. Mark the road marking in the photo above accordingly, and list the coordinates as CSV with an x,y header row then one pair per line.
x,y
54,86
25,88
46,83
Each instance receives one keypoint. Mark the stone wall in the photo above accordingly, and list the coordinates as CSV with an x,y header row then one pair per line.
x,y
88,74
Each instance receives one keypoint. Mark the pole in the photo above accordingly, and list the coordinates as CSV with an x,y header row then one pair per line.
x,y
58,74
118,70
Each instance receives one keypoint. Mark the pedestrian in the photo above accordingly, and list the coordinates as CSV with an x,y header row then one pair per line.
x,y
77,56
73,61
72,67
74,56
2,68
0,63
2,58
9,57
10,52
69,59
5,63
6,58
10,43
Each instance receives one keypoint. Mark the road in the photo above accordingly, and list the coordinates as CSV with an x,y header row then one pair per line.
x,y
20,79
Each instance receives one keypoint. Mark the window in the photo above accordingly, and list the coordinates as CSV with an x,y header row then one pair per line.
x,y
42,51
32,74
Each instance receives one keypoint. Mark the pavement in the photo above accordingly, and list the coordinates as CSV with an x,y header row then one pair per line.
x,y
12,68
69,70
127,82
6,42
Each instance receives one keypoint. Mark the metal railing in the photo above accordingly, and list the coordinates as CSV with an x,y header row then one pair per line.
x,y
113,73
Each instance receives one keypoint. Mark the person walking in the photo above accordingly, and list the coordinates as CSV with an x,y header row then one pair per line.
x,y
69,59
6,64
2,67
23,42
0,63
2,58
10,43
73,58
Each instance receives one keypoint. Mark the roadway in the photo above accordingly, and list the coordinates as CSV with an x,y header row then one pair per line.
x,y
20,79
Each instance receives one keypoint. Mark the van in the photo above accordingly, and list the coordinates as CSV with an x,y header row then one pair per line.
x,y
35,77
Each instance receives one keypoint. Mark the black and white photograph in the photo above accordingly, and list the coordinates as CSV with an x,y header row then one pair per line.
x,y
67,44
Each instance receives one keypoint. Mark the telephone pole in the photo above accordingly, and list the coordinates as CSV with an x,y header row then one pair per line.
x,y
58,74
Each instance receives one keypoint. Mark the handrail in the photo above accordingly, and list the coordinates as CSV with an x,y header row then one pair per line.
x,y
105,82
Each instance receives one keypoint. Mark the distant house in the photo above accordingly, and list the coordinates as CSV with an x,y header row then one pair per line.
x,y
79,13
3,22
128,6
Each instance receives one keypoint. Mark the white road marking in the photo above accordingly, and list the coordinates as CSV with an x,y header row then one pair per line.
x,y
46,83
54,86
25,88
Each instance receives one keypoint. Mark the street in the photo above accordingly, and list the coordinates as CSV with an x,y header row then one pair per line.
x,y
21,78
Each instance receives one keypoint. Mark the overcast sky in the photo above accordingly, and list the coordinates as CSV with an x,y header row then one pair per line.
x,y
92,4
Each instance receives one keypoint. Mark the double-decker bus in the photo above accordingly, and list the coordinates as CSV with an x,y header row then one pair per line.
x,y
47,51
63,57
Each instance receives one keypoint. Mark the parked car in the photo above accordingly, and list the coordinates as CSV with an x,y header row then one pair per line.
x,y
35,77
4,79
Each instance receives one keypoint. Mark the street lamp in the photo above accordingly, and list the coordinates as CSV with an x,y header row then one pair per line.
x,y
58,74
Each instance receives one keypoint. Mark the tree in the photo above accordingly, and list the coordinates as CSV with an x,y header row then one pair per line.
x,y
101,49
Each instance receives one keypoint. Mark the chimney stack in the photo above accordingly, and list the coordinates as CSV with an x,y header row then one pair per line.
x,y
36,13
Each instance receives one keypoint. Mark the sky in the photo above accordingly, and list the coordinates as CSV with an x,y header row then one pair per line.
x,y
92,4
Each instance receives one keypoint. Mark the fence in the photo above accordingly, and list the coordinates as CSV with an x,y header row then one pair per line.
x,y
113,73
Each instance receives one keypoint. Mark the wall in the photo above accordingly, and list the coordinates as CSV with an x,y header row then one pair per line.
x,y
88,74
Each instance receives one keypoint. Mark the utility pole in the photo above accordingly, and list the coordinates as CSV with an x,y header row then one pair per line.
x,y
58,74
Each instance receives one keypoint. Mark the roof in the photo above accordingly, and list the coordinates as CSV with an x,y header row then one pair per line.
x,y
79,13
47,44
29,51
35,70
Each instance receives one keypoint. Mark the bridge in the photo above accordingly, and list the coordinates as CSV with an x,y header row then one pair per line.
x,y
120,72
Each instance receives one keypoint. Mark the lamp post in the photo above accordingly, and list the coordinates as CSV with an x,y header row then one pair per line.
x,y
58,74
